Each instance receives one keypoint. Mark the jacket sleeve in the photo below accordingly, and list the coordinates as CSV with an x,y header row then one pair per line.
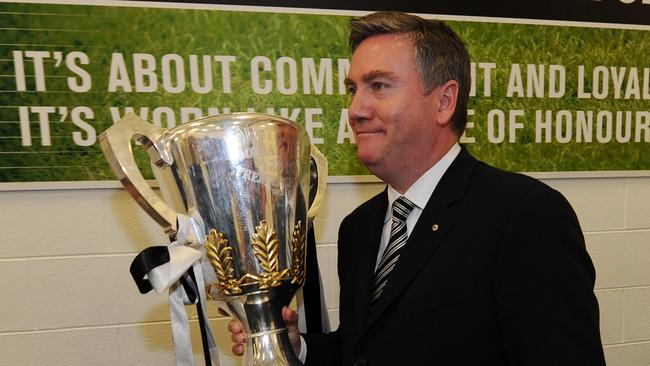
x,y
548,313
325,349
322,349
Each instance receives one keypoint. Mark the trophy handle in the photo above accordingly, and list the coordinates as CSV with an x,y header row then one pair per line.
x,y
116,145
317,182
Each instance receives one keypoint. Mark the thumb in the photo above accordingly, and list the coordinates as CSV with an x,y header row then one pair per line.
x,y
291,321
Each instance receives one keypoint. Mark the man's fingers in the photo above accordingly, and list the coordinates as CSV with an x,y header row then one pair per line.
x,y
235,326
291,320
290,316
238,349
238,338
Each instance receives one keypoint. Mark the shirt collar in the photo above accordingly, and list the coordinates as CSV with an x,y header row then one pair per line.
x,y
420,192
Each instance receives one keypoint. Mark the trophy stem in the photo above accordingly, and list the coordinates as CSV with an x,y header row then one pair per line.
x,y
271,348
261,314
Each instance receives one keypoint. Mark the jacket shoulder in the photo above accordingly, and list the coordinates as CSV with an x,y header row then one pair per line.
x,y
515,184
502,192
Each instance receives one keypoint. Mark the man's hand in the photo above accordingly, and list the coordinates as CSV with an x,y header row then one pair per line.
x,y
291,320
238,336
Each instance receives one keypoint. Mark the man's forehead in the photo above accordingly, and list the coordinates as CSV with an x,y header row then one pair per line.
x,y
384,56
381,48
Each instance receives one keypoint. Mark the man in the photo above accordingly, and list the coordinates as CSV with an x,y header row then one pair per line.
x,y
494,270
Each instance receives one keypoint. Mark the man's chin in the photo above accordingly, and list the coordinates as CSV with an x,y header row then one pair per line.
x,y
365,158
371,161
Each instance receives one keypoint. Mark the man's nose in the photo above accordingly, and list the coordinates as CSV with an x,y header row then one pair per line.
x,y
360,108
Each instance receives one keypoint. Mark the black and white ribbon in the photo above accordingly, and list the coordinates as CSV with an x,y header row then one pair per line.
x,y
178,268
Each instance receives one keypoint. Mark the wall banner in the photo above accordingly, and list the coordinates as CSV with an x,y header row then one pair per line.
x,y
546,97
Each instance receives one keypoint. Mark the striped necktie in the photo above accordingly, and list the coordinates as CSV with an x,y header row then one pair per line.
x,y
402,207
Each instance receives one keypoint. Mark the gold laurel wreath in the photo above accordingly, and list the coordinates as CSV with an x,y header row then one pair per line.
x,y
298,245
219,253
266,250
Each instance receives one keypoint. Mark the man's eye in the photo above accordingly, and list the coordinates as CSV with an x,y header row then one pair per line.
x,y
378,85
352,89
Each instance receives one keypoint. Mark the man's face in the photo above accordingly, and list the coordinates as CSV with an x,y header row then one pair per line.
x,y
392,119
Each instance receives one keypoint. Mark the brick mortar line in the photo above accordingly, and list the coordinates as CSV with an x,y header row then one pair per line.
x,y
622,288
93,327
73,256
627,344
618,231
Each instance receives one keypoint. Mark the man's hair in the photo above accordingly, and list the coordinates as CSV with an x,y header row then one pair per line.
x,y
440,55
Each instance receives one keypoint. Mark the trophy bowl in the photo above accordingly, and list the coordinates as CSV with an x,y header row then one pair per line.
x,y
245,181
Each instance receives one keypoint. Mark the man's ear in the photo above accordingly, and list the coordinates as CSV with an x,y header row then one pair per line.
x,y
447,95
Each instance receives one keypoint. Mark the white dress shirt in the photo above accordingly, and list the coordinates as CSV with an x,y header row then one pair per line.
x,y
419,193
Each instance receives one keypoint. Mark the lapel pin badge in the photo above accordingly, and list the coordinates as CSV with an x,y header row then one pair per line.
x,y
434,227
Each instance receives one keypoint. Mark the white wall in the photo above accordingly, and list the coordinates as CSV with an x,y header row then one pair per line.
x,y
66,296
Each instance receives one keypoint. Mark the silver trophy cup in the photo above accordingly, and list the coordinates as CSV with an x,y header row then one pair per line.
x,y
246,179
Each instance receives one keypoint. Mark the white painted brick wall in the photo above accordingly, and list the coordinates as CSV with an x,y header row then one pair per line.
x,y
611,315
637,203
68,299
621,257
631,354
95,346
636,314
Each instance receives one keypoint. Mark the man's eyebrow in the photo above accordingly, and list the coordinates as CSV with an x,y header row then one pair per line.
x,y
372,75
378,74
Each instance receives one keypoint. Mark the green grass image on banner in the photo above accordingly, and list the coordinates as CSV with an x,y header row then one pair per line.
x,y
65,146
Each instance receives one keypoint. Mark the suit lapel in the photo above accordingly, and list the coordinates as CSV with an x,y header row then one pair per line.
x,y
428,234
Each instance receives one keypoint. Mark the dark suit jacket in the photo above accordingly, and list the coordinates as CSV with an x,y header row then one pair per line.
x,y
495,272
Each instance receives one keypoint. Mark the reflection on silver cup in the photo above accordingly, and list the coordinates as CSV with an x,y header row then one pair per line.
x,y
246,179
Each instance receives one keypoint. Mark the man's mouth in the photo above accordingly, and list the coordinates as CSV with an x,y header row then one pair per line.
x,y
367,132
